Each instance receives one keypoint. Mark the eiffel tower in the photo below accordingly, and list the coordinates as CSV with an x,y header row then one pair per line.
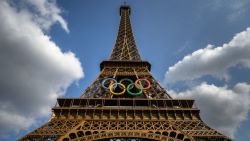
x,y
125,103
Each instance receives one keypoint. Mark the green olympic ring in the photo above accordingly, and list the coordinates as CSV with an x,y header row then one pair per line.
x,y
128,89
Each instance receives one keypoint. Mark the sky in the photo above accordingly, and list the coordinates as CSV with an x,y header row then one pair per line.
x,y
198,49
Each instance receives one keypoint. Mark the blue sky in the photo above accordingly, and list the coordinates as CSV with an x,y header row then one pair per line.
x,y
165,31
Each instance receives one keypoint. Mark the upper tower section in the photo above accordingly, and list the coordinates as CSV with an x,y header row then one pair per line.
x,y
125,48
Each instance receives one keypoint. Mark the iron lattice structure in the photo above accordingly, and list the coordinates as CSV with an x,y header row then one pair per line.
x,y
99,114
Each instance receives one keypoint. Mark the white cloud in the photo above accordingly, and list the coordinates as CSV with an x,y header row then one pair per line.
x,y
33,69
221,107
46,13
236,9
212,60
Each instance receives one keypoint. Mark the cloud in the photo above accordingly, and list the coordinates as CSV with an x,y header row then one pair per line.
x,y
184,46
46,13
239,8
221,107
33,69
236,9
214,61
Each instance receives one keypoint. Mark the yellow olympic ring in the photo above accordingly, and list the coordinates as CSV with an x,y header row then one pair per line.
x,y
120,93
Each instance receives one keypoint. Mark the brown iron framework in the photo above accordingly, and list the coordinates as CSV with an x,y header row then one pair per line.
x,y
101,116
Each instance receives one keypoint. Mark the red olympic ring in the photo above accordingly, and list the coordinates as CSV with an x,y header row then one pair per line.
x,y
139,86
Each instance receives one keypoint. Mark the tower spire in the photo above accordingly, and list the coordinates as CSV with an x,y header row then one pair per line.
x,y
125,46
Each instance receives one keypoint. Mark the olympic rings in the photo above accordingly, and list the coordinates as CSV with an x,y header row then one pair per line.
x,y
143,88
123,88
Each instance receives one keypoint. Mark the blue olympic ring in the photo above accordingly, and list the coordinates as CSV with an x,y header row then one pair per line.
x,y
111,79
